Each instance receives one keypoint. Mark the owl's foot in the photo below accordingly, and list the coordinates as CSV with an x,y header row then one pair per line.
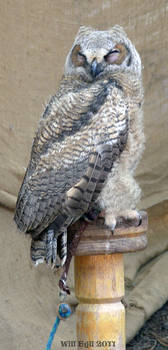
x,y
133,217
110,221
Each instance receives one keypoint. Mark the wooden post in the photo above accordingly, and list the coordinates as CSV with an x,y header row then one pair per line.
x,y
99,283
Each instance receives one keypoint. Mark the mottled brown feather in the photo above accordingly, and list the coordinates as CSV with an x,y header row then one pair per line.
x,y
61,160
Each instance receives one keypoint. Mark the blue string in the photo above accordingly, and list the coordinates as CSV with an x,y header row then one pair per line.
x,y
64,311
52,334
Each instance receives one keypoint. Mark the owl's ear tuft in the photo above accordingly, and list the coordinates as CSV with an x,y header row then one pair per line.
x,y
84,31
117,29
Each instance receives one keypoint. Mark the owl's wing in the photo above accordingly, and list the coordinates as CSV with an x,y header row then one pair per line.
x,y
66,170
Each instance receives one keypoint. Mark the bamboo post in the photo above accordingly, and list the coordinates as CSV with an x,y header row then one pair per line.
x,y
99,283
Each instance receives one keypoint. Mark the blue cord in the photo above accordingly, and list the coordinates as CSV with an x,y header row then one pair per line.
x,y
64,311
52,334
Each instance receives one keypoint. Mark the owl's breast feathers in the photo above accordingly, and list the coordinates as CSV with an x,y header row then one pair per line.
x,y
82,132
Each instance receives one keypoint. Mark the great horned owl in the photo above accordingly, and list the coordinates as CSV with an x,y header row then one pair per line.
x,y
88,144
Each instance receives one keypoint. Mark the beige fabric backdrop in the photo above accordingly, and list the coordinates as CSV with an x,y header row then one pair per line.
x,y
35,37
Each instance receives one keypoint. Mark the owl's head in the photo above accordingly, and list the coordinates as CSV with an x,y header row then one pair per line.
x,y
95,53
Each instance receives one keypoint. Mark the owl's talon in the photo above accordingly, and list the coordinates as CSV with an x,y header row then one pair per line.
x,y
110,221
140,220
137,220
112,231
113,226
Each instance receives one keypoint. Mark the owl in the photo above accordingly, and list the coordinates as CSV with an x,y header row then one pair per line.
x,y
87,145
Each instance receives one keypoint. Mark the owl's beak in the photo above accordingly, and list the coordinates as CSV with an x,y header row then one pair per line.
x,y
96,68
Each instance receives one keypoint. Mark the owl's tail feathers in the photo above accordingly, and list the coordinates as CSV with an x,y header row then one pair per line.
x,y
50,248
38,249
62,246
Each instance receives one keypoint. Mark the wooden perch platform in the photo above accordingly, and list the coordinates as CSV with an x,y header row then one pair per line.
x,y
98,239
99,282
